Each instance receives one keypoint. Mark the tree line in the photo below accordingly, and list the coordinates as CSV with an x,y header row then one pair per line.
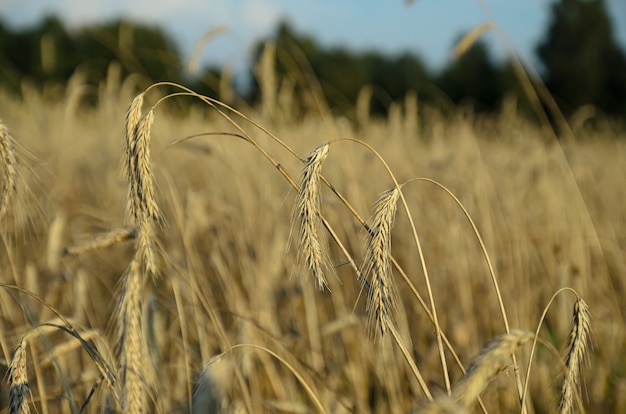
x,y
581,63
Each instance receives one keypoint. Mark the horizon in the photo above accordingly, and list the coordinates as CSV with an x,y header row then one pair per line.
x,y
423,28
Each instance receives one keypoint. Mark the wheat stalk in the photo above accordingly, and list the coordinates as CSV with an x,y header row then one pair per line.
x,y
131,348
307,211
18,381
9,170
577,345
377,264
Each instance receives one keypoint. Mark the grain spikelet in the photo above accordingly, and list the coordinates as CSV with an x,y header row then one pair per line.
x,y
131,349
18,381
495,357
577,347
307,211
8,169
377,265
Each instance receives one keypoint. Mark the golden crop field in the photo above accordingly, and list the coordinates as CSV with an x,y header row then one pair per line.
x,y
175,267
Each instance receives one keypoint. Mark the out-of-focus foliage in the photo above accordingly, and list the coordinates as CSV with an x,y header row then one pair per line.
x,y
583,64
48,53
342,73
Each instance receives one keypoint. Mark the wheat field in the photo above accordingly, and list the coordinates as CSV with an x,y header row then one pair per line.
x,y
216,261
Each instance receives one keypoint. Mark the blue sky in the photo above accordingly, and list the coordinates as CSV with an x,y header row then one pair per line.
x,y
426,27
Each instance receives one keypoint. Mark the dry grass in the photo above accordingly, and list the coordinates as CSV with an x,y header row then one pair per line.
x,y
548,217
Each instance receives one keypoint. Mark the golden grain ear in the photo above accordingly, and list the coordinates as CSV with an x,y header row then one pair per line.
x,y
577,350
377,269
307,216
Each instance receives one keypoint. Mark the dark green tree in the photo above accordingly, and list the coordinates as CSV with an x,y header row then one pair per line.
x,y
47,53
141,49
41,53
583,64
342,72
473,78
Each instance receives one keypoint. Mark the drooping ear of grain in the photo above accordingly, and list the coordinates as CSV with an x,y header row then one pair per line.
x,y
377,268
18,382
8,169
577,348
495,357
307,213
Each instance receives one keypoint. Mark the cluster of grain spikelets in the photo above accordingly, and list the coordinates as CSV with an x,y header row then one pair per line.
x,y
376,272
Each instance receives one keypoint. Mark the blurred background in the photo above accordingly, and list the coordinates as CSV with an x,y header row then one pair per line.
x,y
577,47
